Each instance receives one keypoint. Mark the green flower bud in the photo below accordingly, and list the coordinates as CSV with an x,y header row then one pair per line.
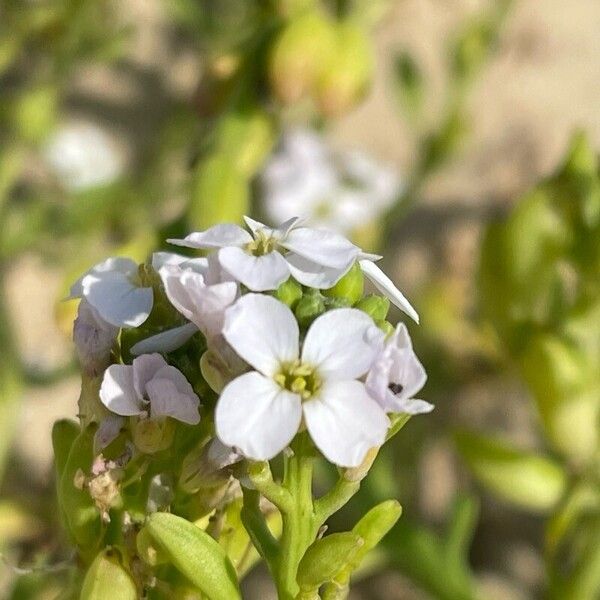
x,y
153,435
309,308
350,286
298,55
289,292
375,306
346,78
386,327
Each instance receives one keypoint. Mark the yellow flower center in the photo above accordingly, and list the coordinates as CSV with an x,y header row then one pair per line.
x,y
262,244
299,379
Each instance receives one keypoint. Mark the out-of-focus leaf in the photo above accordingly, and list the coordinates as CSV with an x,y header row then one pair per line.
x,y
409,84
107,579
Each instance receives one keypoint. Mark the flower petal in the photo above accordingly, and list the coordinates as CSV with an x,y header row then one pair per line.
x,y
345,422
116,299
171,395
117,392
144,369
263,331
107,432
386,286
165,341
119,264
160,259
313,275
339,343
412,406
218,236
256,416
257,273
321,246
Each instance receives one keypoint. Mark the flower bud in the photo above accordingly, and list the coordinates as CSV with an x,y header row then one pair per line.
x,y
309,308
346,77
349,287
153,435
298,55
386,327
375,306
289,292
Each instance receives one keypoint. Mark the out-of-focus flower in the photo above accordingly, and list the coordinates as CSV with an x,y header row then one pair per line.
x,y
260,412
84,155
93,338
113,288
342,191
149,388
397,375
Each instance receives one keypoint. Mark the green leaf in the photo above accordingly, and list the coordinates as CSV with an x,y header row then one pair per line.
x,y
195,554
409,84
64,433
526,479
107,579
327,557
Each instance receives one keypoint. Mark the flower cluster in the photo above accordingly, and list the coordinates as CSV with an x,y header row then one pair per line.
x,y
279,330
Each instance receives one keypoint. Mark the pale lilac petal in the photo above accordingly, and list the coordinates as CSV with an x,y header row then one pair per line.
x,y
220,455
339,343
165,341
117,392
412,406
144,369
321,246
345,422
107,432
160,259
386,286
116,299
257,273
218,236
257,416
126,266
313,275
171,395
263,331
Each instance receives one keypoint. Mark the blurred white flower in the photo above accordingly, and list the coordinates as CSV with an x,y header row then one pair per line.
x,y
339,190
83,155
149,388
260,412
397,375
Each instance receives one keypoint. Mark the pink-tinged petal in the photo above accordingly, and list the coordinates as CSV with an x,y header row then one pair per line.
x,y
165,341
218,236
386,286
171,395
257,273
321,246
257,416
313,275
340,344
263,331
117,264
345,422
117,392
117,300
144,369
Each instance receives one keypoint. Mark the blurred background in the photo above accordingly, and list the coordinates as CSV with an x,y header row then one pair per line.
x,y
124,122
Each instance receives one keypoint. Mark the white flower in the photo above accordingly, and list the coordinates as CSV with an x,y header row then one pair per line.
x,y
94,339
195,287
264,260
260,412
113,288
83,156
149,388
397,375
338,190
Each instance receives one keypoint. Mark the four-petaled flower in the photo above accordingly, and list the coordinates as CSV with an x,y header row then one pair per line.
x,y
397,375
260,412
149,388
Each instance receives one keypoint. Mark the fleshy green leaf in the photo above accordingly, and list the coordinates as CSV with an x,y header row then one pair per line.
x,y
107,579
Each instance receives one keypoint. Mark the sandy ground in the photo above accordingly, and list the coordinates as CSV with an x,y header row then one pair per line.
x,y
543,83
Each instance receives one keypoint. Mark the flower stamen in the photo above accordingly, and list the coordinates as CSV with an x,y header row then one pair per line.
x,y
299,379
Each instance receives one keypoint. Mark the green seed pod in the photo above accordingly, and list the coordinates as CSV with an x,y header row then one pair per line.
x,y
375,525
289,292
346,78
299,53
195,554
350,286
108,579
309,308
327,557
375,306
